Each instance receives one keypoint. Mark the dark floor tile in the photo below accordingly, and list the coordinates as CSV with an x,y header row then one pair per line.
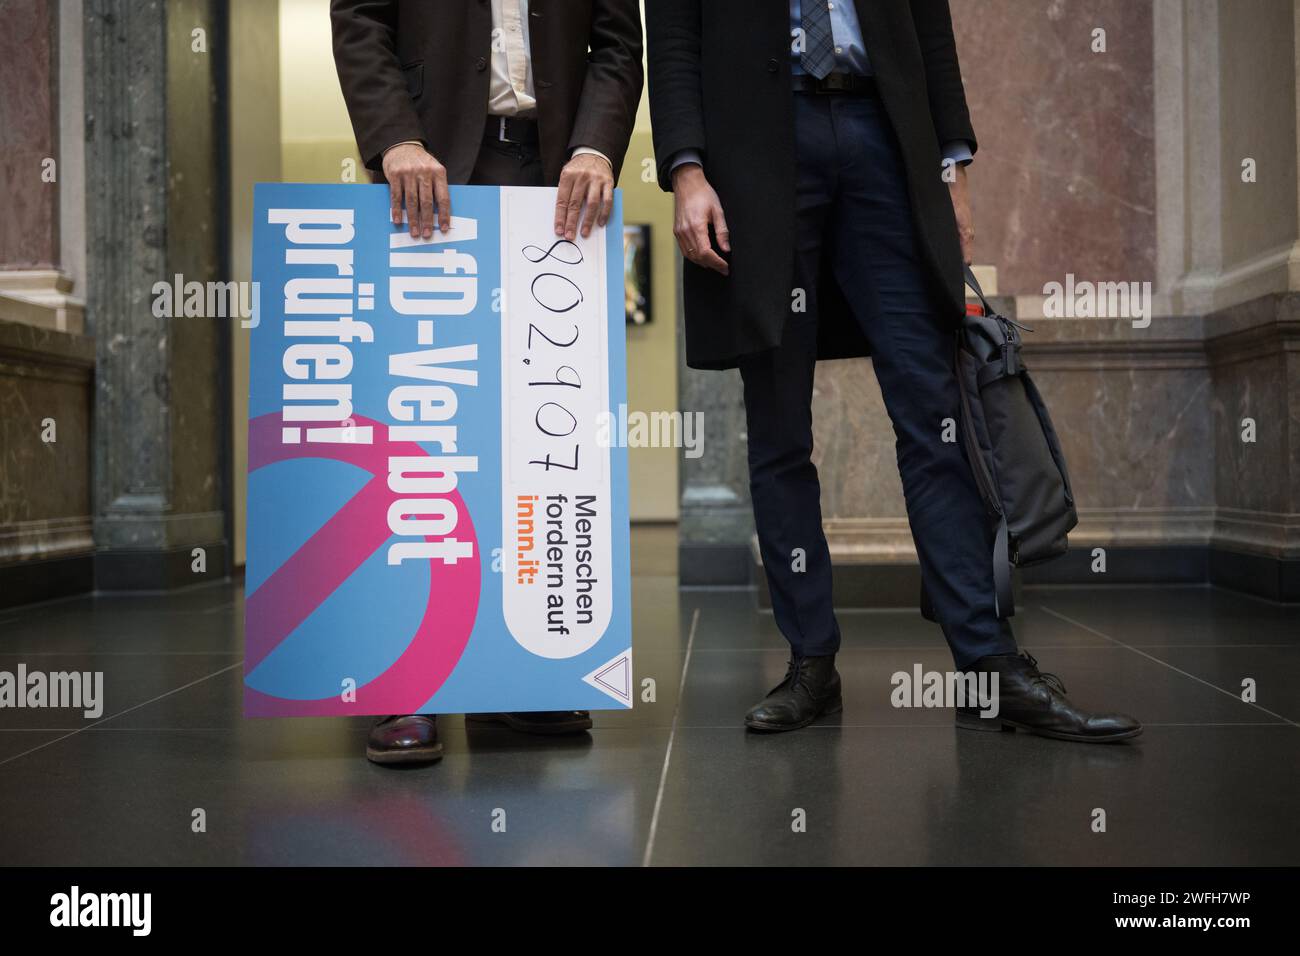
x,y
1173,616
1274,670
15,743
130,681
300,792
1213,780
197,620
879,796
721,687
113,797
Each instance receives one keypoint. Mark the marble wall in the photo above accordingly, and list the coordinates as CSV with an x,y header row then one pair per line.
x,y
46,365
28,135
45,434
1064,180
1254,351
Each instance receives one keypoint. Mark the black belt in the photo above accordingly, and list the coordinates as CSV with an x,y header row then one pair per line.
x,y
847,83
510,129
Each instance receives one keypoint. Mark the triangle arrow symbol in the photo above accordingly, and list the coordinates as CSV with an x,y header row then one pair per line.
x,y
614,678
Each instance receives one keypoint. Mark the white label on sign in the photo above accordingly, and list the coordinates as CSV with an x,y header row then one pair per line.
x,y
556,524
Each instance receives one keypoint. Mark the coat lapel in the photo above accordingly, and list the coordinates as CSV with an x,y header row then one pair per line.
x,y
874,31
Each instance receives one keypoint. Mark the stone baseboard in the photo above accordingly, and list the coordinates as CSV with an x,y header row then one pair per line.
x,y
892,585
713,565
1277,579
28,582
157,570
897,583
45,579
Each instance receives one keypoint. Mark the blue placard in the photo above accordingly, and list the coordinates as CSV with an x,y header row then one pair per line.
x,y
437,510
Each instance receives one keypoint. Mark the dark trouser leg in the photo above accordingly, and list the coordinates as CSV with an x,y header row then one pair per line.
x,y
879,266
778,408
786,493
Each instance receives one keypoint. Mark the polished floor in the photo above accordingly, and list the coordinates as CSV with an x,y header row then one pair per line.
x,y
1214,780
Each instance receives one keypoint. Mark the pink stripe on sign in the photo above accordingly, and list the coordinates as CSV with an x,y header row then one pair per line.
x,y
315,570
330,556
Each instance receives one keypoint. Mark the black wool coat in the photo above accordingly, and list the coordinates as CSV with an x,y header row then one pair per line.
x,y
719,73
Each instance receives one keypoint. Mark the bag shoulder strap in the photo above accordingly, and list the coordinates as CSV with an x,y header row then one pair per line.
x,y
975,286
1004,603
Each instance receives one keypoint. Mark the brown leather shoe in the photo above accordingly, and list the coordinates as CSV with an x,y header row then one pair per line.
x,y
408,739
545,722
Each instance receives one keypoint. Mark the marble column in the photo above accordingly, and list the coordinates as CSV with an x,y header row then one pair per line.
x,y
154,209
255,148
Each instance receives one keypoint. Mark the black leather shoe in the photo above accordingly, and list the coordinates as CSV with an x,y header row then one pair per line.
x,y
1035,702
545,722
410,739
811,688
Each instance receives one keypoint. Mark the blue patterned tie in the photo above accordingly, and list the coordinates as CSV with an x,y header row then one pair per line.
x,y
819,45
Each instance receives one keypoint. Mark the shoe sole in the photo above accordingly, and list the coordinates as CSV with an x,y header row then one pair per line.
x,y
575,726
833,706
412,755
997,725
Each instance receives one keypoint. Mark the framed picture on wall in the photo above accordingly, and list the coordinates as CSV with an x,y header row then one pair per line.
x,y
636,273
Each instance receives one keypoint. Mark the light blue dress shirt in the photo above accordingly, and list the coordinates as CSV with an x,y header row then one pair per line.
x,y
850,57
850,51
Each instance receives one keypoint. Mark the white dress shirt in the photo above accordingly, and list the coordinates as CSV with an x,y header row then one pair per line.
x,y
510,87
510,90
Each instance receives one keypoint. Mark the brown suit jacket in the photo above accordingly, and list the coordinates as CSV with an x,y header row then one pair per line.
x,y
419,70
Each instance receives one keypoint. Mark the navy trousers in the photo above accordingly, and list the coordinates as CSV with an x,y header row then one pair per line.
x,y
852,204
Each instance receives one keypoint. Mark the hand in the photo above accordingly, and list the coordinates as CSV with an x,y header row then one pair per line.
x,y
419,180
696,208
960,194
587,180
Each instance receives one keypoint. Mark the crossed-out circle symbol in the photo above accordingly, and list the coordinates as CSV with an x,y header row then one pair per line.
x,y
329,557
